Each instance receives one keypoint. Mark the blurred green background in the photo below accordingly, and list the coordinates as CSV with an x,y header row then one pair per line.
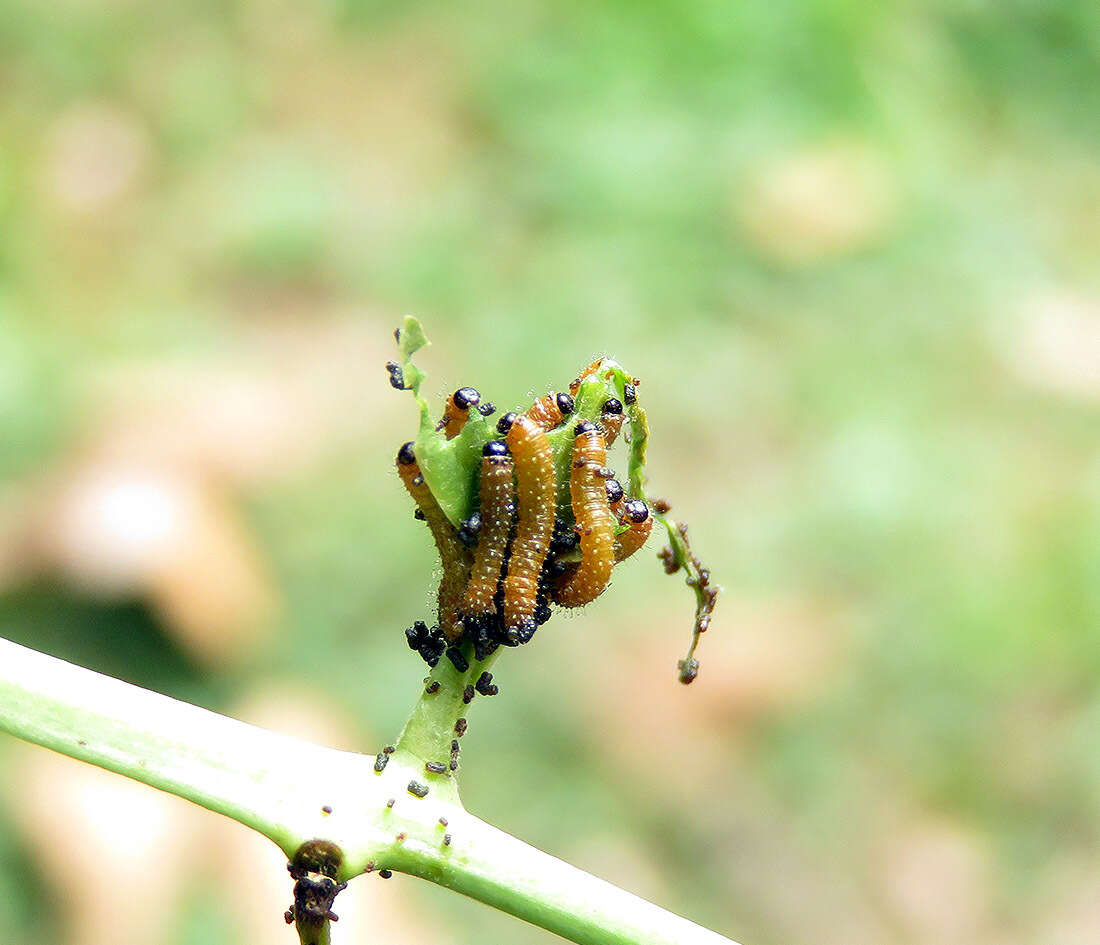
x,y
851,250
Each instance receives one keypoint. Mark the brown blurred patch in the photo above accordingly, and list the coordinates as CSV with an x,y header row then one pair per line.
x,y
830,200
937,881
1070,909
758,657
144,505
115,853
119,529
96,154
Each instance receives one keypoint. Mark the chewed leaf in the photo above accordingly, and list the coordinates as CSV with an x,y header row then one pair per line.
x,y
451,467
410,339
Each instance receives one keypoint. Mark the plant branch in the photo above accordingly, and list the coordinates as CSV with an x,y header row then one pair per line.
x,y
500,870
292,792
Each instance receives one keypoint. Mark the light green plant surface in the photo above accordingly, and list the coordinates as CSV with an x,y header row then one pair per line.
x,y
294,792
887,452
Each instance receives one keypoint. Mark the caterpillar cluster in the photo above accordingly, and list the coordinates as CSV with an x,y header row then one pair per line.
x,y
509,561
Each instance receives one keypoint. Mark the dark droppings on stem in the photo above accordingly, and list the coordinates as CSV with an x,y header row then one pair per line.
x,y
326,809
435,767
385,874
460,727
456,656
432,689
401,838
380,762
485,686
446,839
416,789
468,695
391,802
442,821
388,750
397,378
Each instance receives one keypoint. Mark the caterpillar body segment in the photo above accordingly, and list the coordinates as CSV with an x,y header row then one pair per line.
x,y
498,508
453,556
535,486
594,523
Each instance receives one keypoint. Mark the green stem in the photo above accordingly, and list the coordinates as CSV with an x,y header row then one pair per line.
x,y
292,791
430,728
494,867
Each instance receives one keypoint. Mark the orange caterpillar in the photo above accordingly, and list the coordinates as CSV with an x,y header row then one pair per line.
x,y
636,514
550,411
575,384
535,486
453,556
595,524
498,507
611,419
456,411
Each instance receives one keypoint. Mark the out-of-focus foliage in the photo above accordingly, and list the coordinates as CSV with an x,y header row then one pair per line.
x,y
850,247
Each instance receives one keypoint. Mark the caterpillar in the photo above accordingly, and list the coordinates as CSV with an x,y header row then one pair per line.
x,y
636,514
535,489
550,411
575,384
452,555
595,524
457,410
498,507
611,419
